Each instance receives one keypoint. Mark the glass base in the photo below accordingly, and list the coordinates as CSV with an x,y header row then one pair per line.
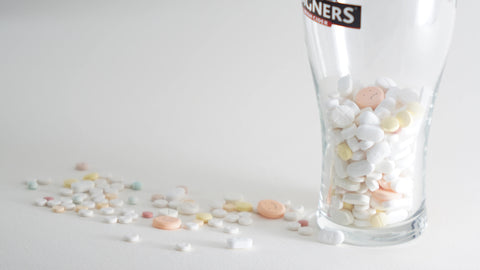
x,y
389,235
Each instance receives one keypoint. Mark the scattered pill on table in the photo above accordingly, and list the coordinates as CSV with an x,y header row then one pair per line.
x,y
125,219
81,166
40,202
239,243
131,237
107,211
191,226
205,217
110,219
58,209
85,213
147,214
303,222
331,237
183,246
230,229
271,209
157,197
44,181
293,226
32,185
245,221
305,231
219,213
215,223
166,223
136,186
232,218
132,200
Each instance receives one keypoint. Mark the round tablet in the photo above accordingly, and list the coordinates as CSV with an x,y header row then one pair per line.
x,y
271,209
369,97
166,223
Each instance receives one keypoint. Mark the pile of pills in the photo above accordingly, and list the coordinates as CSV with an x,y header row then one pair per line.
x,y
102,195
371,133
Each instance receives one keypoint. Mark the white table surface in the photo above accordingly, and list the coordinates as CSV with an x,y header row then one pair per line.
x,y
216,95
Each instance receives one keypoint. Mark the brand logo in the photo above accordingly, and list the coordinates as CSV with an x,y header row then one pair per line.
x,y
328,13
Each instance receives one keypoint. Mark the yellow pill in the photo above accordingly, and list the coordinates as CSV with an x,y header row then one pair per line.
x,y
91,176
378,220
415,109
58,209
205,217
101,205
80,207
390,124
347,206
241,206
68,183
344,152
111,196
229,207
404,118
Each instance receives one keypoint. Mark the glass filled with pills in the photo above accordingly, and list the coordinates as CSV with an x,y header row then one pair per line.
x,y
376,66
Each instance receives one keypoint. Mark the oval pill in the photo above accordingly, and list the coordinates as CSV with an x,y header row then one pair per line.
x,y
370,133
390,124
166,223
271,209
344,152
404,118
239,243
331,237
360,168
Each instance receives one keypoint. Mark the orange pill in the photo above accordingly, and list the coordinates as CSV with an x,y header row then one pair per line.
x,y
385,195
271,209
385,185
369,97
229,207
166,223
58,209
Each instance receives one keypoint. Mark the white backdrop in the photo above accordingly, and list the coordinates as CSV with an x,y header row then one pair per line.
x,y
216,95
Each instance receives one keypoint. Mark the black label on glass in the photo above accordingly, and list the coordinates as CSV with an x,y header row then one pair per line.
x,y
328,13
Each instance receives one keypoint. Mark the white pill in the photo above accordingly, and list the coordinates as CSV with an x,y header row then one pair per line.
x,y
160,203
392,204
336,202
239,243
352,105
40,202
331,237
305,231
365,145
372,184
175,194
340,167
367,118
342,217
215,222
359,168
116,203
298,208
125,219
353,144
349,132
291,216
110,219
359,155
360,179
184,247
361,207
188,208
245,221
385,82
378,152
82,186
101,183
85,213
44,181
53,203
407,96
231,229
131,237
168,212
100,200
107,211
331,103
392,92
345,85
232,197
370,133
385,166
359,199
388,103
80,196
293,226
287,204
191,226
363,214
389,177
342,116
347,184
334,136
402,185
396,216
362,223
232,218
173,204
245,214
219,213
111,190
374,176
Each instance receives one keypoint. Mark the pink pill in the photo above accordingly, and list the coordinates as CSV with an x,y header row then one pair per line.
x,y
147,214
82,166
369,97
303,222
384,195
48,198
